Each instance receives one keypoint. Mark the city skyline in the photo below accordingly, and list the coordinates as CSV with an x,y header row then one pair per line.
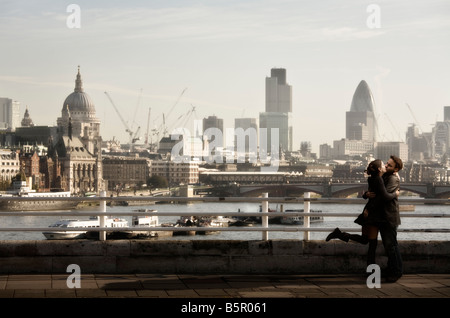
x,y
219,55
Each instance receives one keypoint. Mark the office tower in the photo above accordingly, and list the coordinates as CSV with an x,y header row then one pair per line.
x,y
441,138
213,122
278,92
9,114
217,124
419,145
278,110
249,139
282,122
446,113
360,120
384,150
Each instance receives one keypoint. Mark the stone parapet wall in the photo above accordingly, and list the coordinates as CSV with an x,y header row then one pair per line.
x,y
213,256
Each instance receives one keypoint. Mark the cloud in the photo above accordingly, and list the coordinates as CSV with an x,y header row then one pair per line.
x,y
347,33
30,81
265,22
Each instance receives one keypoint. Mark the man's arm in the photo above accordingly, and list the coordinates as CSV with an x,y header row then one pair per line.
x,y
392,184
369,195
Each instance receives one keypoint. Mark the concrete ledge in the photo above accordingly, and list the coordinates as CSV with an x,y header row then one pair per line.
x,y
209,256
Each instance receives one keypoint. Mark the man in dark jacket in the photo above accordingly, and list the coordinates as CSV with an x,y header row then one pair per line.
x,y
388,230
388,227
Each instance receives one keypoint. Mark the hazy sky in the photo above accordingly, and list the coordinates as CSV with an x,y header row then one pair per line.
x,y
221,52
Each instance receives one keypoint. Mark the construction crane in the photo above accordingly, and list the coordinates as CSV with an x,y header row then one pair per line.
x,y
132,135
420,128
135,137
136,109
414,117
395,128
163,128
148,124
178,99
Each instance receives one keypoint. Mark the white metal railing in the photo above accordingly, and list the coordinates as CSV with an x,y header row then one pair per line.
x,y
264,214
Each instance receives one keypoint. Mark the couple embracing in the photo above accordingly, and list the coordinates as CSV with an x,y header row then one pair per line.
x,y
380,215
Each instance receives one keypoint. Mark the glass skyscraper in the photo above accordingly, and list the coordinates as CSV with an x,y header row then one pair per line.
x,y
360,120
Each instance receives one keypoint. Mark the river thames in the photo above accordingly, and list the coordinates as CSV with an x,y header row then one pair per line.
x,y
328,221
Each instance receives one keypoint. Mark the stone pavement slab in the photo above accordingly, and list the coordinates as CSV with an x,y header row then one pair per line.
x,y
184,286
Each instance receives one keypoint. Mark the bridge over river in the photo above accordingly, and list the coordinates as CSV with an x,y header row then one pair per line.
x,y
325,189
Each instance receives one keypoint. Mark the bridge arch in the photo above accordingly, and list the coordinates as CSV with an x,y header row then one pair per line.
x,y
343,190
338,189
420,189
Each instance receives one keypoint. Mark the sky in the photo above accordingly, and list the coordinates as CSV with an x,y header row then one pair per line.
x,y
191,59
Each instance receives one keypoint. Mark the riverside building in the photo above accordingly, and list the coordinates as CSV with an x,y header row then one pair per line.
x,y
125,171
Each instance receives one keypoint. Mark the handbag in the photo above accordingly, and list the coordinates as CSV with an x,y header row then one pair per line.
x,y
360,219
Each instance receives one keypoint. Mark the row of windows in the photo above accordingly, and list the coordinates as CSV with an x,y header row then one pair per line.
x,y
10,171
8,163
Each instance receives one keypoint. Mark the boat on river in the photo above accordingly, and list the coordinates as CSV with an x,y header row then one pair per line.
x,y
298,219
20,190
59,230
209,223
144,223
285,219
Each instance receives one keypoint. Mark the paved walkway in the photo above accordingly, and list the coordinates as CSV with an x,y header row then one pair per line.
x,y
162,286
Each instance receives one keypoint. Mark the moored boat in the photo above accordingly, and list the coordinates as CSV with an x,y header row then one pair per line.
x,y
285,219
211,222
185,222
204,222
299,220
59,230
144,223
20,190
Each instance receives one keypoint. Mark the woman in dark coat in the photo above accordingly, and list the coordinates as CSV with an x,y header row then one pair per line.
x,y
373,212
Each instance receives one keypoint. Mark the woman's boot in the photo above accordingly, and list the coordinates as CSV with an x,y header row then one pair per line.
x,y
372,251
346,236
338,234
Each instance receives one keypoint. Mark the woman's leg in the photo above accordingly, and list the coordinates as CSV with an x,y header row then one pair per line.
x,y
372,235
347,236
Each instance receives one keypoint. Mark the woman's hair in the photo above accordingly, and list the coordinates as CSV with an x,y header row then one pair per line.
x,y
374,168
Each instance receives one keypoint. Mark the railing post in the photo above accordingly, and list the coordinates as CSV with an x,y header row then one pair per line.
x,y
306,219
102,217
265,218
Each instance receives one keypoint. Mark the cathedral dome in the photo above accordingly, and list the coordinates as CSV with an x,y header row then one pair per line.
x,y
79,101
27,121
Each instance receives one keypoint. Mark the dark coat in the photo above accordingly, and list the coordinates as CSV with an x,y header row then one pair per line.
x,y
377,206
392,183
